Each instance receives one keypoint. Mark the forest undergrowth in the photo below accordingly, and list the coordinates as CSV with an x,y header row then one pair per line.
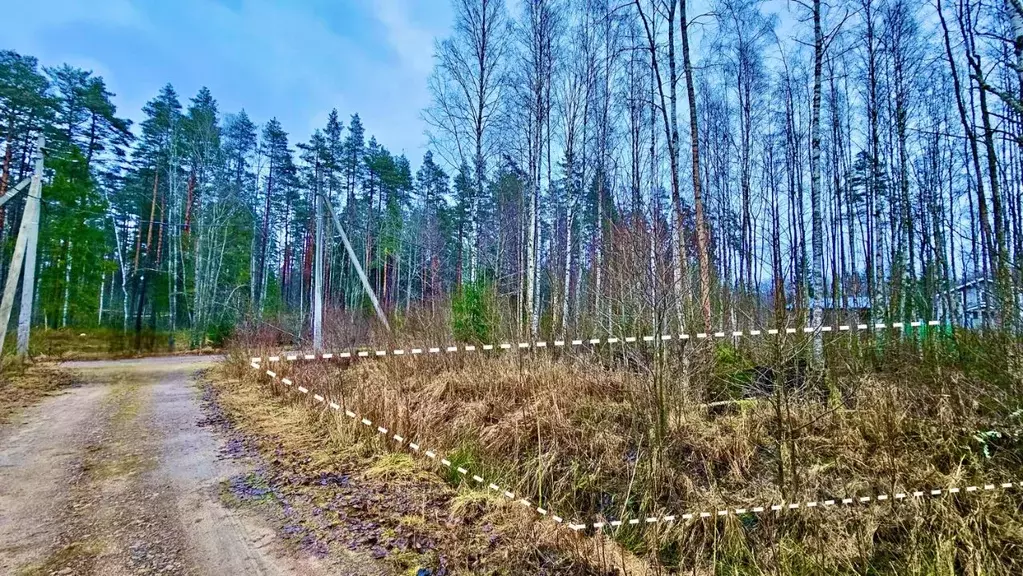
x,y
625,431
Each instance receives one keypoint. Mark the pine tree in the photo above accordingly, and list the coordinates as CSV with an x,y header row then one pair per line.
x,y
25,107
377,163
202,150
279,184
86,128
104,131
157,159
459,218
203,236
352,167
396,180
239,142
72,243
161,130
25,100
71,85
332,155
432,187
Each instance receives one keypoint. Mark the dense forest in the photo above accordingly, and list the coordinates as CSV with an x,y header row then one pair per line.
x,y
591,164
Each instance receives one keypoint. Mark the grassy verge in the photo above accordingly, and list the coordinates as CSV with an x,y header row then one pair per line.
x,y
23,385
351,489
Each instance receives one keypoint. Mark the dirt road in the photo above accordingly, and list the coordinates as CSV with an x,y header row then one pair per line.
x,y
118,477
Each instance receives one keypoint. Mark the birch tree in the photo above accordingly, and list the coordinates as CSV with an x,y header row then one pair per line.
x,y
466,88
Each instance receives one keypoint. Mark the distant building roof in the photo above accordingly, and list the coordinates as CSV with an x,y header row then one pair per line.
x,y
970,283
847,303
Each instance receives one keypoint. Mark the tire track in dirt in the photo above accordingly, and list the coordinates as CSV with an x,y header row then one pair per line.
x,y
38,453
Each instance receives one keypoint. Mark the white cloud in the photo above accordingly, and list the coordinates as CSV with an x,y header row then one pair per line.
x,y
271,58
304,68
32,15
412,42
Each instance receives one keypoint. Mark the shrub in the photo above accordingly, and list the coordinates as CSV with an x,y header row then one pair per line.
x,y
472,313
217,334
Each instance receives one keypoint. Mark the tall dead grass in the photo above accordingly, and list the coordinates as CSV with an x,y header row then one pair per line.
x,y
625,431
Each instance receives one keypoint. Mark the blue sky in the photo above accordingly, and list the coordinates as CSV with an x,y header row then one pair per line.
x,y
294,60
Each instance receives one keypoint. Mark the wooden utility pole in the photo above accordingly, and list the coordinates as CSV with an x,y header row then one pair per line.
x,y
10,194
24,256
28,277
318,271
358,267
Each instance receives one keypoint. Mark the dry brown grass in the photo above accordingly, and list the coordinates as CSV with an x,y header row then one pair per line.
x,y
305,441
621,432
22,385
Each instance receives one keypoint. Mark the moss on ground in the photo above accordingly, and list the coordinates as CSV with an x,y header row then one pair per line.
x,y
80,554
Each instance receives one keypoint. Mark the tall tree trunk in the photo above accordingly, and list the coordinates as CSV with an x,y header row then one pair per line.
x,y
102,289
903,272
971,137
67,285
5,174
870,249
817,280
999,256
264,240
702,231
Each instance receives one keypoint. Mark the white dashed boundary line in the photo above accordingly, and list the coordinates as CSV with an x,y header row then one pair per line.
x,y
450,349
950,491
418,449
